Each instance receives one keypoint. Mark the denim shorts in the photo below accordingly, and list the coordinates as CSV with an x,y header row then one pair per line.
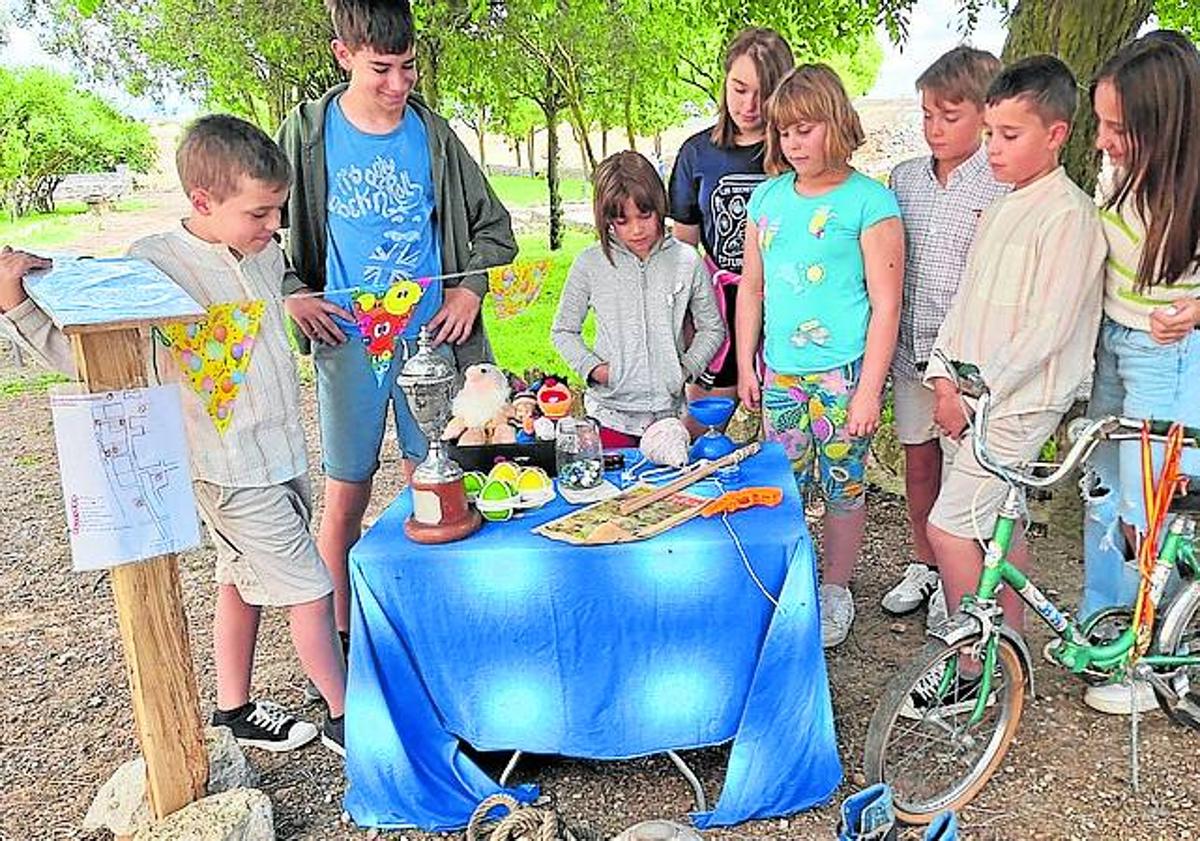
x,y
352,408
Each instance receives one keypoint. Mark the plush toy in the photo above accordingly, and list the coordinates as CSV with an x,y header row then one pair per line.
x,y
554,398
481,409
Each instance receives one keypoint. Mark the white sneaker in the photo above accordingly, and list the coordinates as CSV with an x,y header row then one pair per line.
x,y
837,614
1113,698
937,608
911,592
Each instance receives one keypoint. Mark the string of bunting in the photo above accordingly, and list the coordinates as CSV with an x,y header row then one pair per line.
x,y
383,314
213,353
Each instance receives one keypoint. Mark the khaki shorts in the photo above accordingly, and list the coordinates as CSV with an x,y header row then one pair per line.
x,y
913,405
264,545
970,497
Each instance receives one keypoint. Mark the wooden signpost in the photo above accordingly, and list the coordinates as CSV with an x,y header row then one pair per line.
x,y
104,306
149,600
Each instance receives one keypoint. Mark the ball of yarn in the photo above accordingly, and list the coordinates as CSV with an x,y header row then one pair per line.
x,y
666,442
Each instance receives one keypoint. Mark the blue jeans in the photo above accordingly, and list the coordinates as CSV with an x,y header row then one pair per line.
x,y
1138,378
352,408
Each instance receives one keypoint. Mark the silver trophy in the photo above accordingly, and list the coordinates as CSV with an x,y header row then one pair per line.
x,y
440,510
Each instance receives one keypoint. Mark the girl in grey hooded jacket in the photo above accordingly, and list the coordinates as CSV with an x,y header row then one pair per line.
x,y
640,282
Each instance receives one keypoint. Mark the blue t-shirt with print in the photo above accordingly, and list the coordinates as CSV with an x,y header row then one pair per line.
x,y
815,292
380,208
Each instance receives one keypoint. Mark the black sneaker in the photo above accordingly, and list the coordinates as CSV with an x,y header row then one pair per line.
x,y
266,725
958,698
333,734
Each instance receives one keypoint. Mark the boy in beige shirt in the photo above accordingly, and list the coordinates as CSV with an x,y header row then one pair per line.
x,y
251,481
1027,314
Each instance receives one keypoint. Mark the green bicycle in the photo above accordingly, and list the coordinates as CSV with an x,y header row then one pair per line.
x,y
938,733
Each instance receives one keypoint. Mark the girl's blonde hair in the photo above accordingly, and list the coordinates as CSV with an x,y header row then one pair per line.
x,y
772,58
625,175
812,93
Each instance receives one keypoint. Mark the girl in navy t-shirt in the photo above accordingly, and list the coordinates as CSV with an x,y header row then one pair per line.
x,y
714,174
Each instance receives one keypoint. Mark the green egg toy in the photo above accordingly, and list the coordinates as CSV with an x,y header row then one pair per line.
x,y
496,501
473,482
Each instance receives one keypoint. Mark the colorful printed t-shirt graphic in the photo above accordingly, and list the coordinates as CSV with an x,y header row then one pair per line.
x,y
213,354
380,206
710,187
815,297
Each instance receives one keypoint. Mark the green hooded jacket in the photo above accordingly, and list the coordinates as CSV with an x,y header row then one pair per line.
x,y
476,230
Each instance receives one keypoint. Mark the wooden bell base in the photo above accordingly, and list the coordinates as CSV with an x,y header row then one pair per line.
x,y
441,513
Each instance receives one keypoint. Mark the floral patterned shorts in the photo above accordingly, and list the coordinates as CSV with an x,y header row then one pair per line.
x,y
806,413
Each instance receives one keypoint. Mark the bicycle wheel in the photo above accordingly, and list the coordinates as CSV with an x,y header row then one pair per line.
x,y
1180,635
920,740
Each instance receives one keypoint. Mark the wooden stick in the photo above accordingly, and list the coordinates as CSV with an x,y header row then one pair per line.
x,y
691,478
149,601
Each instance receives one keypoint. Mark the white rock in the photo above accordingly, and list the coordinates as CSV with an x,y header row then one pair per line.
x,y
241,814
121,806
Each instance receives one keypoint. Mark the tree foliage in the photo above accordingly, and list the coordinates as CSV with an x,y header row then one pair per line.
x,y
255,58
50,128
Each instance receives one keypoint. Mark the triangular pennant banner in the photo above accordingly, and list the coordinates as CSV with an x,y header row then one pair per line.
x,y
213,354
515,286
382,319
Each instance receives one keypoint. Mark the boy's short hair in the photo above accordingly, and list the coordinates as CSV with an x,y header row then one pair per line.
x,y
1044,81
625,175
385,26
217,150
961,75
812,93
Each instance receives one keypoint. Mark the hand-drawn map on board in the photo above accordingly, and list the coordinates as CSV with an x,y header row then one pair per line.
x,y
124,466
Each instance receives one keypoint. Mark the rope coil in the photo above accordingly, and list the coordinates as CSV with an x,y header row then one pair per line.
x,y
522,823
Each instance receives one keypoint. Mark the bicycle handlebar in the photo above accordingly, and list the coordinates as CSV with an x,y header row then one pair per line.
x,y
969,382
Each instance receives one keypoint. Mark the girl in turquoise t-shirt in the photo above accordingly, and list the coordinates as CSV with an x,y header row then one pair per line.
x,y
821,285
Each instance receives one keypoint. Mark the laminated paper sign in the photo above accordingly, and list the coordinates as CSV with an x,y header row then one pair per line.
x,y
124,466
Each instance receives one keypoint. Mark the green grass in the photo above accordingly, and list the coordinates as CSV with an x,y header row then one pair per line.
x,y
522,191
50,230
523,341
14,385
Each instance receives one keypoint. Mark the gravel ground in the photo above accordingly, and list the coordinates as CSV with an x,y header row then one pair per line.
x,y
67,720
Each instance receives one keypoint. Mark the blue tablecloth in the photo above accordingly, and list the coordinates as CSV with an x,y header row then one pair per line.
x,y
512,641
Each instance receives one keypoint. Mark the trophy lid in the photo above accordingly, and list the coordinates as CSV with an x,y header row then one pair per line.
x,y
425,367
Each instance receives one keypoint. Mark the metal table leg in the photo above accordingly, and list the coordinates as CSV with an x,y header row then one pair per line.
x,y
697,789
509,768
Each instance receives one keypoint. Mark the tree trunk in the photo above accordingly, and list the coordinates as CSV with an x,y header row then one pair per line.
x,y
427,79
531,149
658,144
603,143
630,133
1084,35
580,126
482,137
552,185
586,158
516,144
